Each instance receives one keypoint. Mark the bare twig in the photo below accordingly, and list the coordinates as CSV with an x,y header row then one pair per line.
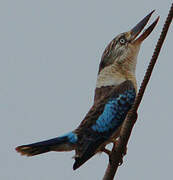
x,y
118,150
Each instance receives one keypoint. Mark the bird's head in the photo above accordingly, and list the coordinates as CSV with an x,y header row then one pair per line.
x,y
120,55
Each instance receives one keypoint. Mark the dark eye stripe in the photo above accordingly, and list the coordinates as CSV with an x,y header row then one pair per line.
x,y
106,60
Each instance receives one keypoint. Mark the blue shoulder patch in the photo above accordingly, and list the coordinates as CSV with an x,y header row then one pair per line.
x,y
114,112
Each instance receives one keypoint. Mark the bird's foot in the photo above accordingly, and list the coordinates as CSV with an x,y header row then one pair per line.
x,y
124,152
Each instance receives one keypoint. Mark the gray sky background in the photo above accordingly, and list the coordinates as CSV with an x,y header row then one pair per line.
x,y
49,57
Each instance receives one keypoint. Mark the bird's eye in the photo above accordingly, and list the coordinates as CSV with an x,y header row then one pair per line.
x,y
122,40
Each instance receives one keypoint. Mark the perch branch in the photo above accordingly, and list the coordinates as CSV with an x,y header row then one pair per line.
x,y
118,150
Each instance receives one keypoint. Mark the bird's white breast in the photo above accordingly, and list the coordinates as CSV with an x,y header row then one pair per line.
x,y
109,77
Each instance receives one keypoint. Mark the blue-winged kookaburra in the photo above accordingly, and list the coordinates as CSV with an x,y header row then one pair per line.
x,y
114,95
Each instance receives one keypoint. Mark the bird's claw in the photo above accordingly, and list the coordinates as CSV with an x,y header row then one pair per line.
x,y
122,156
115,144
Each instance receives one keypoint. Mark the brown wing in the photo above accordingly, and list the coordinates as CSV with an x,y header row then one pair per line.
x,y
99,103
101,92
92,134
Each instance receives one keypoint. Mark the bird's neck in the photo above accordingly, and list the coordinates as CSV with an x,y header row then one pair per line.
x,y
114,75
109,78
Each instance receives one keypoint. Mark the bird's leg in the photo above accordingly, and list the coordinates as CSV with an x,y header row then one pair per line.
x,y
107,151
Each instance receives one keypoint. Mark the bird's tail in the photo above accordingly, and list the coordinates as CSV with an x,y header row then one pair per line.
x,y
63,143
89,148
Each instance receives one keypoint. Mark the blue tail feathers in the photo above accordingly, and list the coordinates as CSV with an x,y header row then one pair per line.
x,y
72,137
62,143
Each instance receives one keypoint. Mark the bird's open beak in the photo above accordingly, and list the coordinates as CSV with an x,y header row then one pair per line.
x,y
140,26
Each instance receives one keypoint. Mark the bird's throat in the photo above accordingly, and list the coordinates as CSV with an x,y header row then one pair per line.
x,y
113,76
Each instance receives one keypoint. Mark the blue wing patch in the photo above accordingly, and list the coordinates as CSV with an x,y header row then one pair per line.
x,y
114,112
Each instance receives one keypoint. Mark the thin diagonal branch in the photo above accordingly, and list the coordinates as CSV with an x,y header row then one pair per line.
x,y
117,152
